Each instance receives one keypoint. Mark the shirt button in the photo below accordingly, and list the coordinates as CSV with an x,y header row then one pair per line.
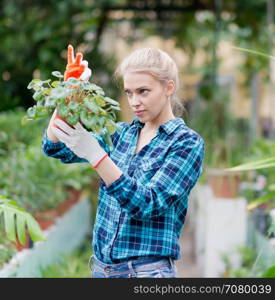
x,y
107,269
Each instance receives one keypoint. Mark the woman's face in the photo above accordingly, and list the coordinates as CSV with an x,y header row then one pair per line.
x,y
145,94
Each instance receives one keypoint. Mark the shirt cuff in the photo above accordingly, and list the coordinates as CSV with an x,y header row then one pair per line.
x,y
50,145
116,186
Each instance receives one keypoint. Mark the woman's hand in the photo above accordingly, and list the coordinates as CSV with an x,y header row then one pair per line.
x,y
80,141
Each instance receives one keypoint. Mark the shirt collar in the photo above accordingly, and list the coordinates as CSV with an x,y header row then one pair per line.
x,y
168,127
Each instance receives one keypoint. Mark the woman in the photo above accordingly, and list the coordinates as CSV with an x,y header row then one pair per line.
x,y
147,177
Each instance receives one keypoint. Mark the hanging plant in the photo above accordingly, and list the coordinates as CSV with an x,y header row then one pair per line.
x,y
75,101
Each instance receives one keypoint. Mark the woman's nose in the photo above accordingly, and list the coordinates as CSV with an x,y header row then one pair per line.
x,y
135,100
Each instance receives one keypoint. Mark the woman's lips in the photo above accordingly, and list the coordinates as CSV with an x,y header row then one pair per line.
x,y
140,112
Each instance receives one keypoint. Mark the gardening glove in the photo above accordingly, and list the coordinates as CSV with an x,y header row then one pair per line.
x,y
76,67
80,141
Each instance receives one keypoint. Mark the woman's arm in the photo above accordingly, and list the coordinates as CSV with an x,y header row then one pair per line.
x,y
175,179
53,147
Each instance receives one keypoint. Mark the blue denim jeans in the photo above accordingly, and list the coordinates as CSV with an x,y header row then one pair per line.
x,y
151,267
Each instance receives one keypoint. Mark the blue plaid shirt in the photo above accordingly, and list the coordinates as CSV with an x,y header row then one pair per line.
x,y
142,213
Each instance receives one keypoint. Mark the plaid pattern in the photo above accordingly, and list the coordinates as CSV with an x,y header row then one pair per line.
x,y
142,213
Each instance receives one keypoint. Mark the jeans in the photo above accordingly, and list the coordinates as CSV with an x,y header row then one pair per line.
x,y
150,267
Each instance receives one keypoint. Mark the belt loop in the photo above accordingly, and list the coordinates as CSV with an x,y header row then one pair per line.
x,y
131,269
90,262
171,262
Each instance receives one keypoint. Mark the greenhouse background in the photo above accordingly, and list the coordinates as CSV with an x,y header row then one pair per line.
x,y
225,54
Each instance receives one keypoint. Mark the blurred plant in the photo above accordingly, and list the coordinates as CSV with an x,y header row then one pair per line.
x,y
17,221
247,257
7,248
74,265
257,164
13,136
224,135
37,183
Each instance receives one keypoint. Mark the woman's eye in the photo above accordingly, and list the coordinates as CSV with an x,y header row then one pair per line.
x,y
144,91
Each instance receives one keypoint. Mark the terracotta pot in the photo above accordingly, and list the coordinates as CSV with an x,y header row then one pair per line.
x,y
224,184
46,218
65,205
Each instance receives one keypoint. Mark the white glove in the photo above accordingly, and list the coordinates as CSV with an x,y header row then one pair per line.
x,y
80,141
85,76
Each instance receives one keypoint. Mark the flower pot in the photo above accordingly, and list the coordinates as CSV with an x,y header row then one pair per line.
x,y
65,205
224,184
46,218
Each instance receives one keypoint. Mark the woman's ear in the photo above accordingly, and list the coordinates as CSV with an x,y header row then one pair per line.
x,y
170,87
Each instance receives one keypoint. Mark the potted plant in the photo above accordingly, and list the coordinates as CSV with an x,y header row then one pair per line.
x,y
224,184
75,101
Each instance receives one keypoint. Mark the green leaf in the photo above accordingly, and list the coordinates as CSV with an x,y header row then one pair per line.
x,y
72,118
12,211
34,229
38,95
88,120
73,81
54,84
46,91
73,105
90,105
259,164
101,122
35,83
9,224
109,100
260,200
20,225
115,107
41,112
25,120
99,100
58,92
63,110
254,52
31,112
269,273
111,126
100,92
57,74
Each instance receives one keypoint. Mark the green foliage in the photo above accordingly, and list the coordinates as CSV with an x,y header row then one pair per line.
x,y
17,220
37,183
269,273
26,174
248,256
76,101
13,136
74,265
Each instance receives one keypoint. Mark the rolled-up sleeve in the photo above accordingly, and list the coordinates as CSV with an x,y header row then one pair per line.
x,y
172,182
60,151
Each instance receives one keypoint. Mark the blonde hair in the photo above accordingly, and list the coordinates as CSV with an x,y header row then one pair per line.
x,y
158,64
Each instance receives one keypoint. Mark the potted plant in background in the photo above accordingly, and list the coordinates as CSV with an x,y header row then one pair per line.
x,y
266,161
224,136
